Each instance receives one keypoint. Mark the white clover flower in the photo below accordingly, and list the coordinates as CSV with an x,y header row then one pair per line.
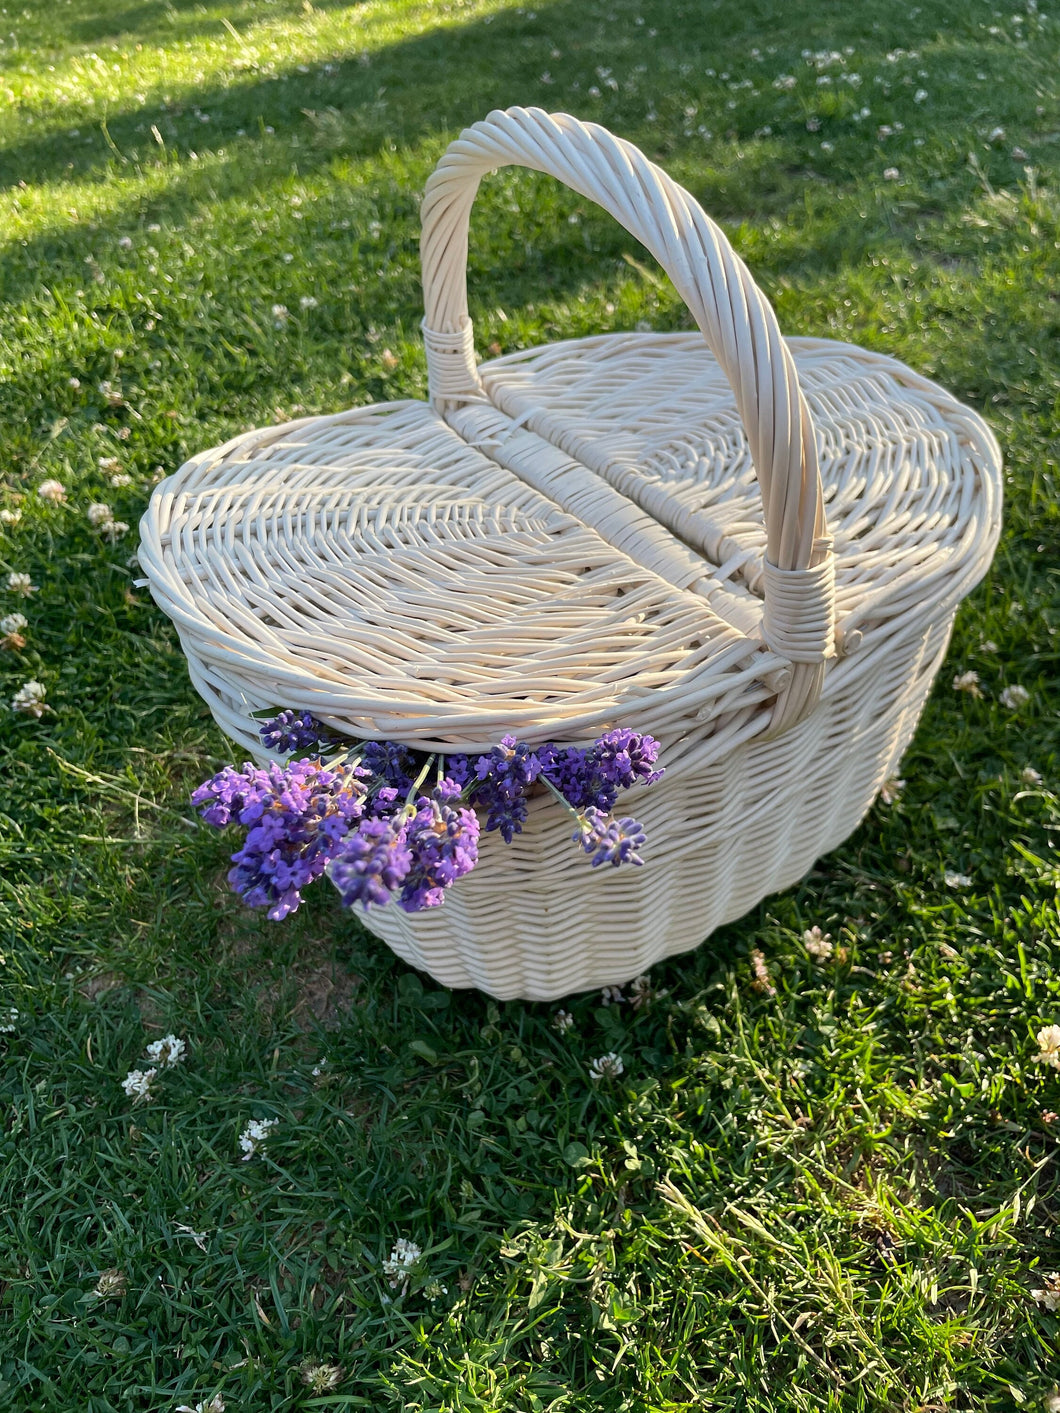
x,y
121,478
167,1052
320,1069
988,646
137,1084
607,1066
402,1259
8,1020
20,584
125,243
611,996
1030,776
1048,1039
110,463
891,174
1014,697
967,682
308,301
827,146
920,96
254,1135
762,981
280,314
818,944
562,1021
641,992
99,513
1049,1295
114,529
74,383
52,490
29,699
13,623
215,1405
1051,1401
891,789
884,130
112,1284
785,81
956,880
321,1378
996,135
10,517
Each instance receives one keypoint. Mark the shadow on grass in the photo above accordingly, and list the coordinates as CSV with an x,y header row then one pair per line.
x,y
180,20
323,122
452,75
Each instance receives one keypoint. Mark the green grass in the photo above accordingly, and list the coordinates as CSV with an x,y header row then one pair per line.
x,y
835,1197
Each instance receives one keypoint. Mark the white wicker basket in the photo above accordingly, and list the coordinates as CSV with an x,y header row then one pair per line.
x,y
751,547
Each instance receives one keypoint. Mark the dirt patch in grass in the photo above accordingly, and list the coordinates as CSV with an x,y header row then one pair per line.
x,y
98,985
324,994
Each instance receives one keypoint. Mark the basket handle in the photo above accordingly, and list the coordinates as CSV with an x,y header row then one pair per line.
x,y
734,316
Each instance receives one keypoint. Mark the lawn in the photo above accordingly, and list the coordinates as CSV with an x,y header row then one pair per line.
x,y
831,1187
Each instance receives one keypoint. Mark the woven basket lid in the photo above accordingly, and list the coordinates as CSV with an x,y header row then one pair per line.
x,y
624,530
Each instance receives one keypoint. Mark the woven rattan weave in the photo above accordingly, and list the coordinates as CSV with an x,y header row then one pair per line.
x,y
749,546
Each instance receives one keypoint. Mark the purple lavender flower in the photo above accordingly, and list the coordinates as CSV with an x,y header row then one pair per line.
x,y
223,797
502,778
509,767
298,815
457,769
594,776
384,802
443,839
613,841
374,862
293,731
392,764
508,816
625,758
570,770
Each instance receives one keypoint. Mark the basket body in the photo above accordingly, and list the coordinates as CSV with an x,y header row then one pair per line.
x,y
533,922
755,553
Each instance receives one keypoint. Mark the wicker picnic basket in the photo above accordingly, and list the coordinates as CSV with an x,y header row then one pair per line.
x,y
751,547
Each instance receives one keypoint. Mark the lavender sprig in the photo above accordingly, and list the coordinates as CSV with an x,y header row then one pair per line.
x,y
293,731
374,862
501,780
368,826
443,838
296,816
608,840
594,776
